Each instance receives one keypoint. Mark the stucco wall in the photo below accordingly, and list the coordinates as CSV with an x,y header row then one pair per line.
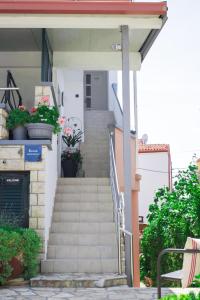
x,y
73,95
26,70
51,175
154,177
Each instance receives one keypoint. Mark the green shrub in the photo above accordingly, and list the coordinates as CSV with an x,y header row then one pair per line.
x,y
18,242
196,281
173,217
17,117
190,296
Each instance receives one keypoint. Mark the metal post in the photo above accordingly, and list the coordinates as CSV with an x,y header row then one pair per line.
x,y
126,144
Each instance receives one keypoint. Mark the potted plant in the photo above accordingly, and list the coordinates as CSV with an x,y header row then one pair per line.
x,y
71,162
16,120
44,120
71,158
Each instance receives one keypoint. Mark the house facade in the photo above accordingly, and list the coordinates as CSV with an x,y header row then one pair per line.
x,y
155,167
71,51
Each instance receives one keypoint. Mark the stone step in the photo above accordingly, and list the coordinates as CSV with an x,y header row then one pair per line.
x,y
83,216
83,227
83,189
100,239
84,181
83,206
79,280
80,265
82,252
84,197
95,171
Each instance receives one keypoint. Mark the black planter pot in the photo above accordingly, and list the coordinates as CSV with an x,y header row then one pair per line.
x,y
69,167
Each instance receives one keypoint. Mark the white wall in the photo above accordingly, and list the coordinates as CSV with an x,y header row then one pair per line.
x,y
51,176
151,181
25,67
74,95
112,101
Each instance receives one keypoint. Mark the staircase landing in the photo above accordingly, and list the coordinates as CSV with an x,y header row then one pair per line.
x,y
79,280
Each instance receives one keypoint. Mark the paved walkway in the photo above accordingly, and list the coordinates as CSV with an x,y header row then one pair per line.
x,y
117,293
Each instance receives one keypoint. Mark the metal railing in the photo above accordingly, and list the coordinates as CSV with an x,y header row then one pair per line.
x,y
118,200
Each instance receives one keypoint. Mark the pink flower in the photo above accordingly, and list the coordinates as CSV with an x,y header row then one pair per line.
x,y
61,121
44,100
33,110
68,131
21,107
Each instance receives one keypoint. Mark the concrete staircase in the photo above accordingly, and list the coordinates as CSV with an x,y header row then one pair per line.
x,y
83,234
95,149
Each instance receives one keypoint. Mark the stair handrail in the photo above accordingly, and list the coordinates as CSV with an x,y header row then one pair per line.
x,y
118,199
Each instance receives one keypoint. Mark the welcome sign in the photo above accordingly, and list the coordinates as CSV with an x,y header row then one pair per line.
x,y
33,153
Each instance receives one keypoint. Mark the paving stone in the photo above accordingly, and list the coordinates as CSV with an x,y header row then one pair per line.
x,y
114,293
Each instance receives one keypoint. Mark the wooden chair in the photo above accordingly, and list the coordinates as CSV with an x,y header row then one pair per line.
x,y
172,276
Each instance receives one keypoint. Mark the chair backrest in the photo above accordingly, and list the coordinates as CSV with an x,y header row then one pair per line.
x,y
191,262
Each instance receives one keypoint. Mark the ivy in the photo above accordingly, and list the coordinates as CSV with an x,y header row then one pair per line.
x,y
174,216
190,296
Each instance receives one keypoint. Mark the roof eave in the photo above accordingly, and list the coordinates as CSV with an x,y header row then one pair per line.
x,y
65,7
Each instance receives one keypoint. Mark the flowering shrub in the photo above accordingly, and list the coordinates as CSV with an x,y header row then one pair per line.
x,y
71,136
17,117
44,113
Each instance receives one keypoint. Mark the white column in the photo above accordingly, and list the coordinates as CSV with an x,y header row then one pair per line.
x,y
126,144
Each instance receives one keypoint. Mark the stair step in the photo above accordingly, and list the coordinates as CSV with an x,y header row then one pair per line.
x,y
82,252
79,280
83,227
82,239
84,206
83,216
84,197
80,265
84,181
84,188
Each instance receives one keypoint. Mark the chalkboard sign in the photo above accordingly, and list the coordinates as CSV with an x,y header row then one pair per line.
x,y
33,153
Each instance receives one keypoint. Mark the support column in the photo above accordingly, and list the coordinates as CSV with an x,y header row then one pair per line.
x,y
136,240
126,145
135,206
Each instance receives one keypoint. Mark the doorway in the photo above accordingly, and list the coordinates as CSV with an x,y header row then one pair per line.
x,y
96,90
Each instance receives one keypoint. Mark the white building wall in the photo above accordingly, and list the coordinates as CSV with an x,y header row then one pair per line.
x,y
154,177
26,70
112,101
74,95
51,176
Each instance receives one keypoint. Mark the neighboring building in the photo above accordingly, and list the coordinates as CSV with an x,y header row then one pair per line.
x,y
155,167
75,48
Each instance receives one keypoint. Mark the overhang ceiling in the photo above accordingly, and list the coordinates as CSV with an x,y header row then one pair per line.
x,y
77,40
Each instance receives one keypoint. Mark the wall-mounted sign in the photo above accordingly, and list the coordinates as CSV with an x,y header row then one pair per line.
x,y
33,153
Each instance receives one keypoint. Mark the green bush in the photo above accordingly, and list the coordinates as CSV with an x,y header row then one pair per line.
x,y
190,296
196,281
174,216
17,117
18,242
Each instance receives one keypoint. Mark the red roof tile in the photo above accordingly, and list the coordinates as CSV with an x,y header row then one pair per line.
x,y
149,148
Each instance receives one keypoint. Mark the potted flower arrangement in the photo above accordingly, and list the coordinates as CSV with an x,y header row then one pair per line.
x,y
44,120
71,158
16,121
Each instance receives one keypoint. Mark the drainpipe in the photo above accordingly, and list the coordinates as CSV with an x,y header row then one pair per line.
x,y
126,146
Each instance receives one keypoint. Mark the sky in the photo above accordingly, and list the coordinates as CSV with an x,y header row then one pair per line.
x,y
169,84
